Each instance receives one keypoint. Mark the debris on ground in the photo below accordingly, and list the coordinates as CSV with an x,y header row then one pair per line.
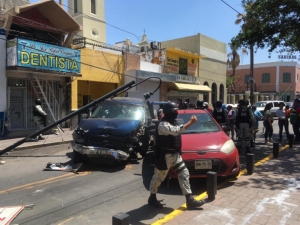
x,y
2,162
63,167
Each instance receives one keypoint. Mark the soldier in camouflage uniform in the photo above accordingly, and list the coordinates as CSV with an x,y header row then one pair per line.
x,y
168,154
39,117
244,122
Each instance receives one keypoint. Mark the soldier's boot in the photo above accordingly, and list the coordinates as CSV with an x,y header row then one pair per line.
x,y
153,201
248,150
191,203
252,144
41,138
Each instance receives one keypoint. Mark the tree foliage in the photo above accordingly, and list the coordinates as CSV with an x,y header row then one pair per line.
x,y
270,24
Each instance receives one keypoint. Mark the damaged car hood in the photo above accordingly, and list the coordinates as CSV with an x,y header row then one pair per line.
x,y
119,127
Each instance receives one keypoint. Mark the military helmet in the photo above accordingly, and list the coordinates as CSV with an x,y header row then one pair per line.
x,y
38,102
168,107
243,102
218,104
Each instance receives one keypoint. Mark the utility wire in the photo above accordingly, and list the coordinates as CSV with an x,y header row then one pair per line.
x,y
51,27
231,7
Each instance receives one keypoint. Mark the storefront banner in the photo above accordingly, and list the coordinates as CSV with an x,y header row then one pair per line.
x,y
37,55
188,79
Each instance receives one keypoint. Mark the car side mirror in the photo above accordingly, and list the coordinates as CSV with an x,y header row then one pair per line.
x,y
83,116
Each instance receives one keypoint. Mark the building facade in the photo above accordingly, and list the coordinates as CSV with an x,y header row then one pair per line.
x,y
274,80
39,63
212,68
102,72
90,15
176,68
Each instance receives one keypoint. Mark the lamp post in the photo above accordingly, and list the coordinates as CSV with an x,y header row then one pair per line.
x,y
251,74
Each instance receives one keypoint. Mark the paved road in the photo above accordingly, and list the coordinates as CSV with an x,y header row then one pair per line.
x,y
93,195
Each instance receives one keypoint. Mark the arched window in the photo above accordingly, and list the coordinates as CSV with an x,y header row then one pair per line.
x,y
214,92
221,96
206,94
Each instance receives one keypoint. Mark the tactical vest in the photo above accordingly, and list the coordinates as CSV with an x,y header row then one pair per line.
x,y
243,115
36,112
219,116
169,142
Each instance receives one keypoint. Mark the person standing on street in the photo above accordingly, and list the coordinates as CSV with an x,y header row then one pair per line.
x,y
231,118
295,119
268,121
168,154
220,115
206,106
39,117
258,116
244,123
287,117
282,121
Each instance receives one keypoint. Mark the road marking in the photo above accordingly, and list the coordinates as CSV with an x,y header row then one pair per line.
x,y
46,181
182,208
66,221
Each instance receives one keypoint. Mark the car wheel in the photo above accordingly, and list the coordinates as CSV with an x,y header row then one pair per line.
x,y
77,157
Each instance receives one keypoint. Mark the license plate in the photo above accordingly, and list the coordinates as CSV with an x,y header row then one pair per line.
x,y
203,164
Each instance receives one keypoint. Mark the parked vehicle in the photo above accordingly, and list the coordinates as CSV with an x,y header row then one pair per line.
x,y
206,147
116,131
290,104
260,106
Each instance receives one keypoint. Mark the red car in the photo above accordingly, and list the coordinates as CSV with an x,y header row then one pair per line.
x,y
205,147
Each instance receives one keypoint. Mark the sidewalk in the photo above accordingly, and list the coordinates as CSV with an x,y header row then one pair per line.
x,y
50,139
270,196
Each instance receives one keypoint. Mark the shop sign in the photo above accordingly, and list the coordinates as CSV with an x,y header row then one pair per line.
x,y
188,79
192,69
287,57
37,55
172,65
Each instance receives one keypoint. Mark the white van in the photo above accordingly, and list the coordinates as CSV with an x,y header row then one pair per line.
x,y
260,106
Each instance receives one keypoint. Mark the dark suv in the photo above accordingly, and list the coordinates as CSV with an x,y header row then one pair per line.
x,y
117,130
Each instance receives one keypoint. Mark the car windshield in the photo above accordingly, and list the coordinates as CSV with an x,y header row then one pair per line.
x,y
205,123
119,110
260,104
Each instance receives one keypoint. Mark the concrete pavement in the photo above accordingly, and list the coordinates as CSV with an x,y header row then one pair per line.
x,y
50,139
270,196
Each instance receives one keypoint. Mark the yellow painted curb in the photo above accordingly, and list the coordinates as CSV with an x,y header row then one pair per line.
x,y
182,208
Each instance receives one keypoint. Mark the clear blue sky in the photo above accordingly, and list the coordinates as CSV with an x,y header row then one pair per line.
x,y
170,19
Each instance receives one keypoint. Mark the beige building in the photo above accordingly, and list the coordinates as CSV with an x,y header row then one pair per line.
x,y
212,69
90,15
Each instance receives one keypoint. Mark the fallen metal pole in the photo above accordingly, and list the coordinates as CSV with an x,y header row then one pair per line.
x,y
110,94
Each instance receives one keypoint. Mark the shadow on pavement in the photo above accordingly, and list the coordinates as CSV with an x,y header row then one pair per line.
x,y
146,212
269,176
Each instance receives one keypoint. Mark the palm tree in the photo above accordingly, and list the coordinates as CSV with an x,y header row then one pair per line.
x,y
233,62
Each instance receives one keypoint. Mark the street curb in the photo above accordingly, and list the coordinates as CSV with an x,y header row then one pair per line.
x,y
183,208
41,145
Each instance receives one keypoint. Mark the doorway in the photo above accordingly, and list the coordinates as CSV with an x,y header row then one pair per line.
x,y
17,108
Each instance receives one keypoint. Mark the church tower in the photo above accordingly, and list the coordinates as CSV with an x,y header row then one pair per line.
x,y
90,15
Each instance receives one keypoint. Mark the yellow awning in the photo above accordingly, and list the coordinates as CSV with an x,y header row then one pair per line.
x,y
192,87
185,53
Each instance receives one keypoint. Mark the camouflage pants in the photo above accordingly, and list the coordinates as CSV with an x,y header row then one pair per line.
x,y
175,161
39,123
244,134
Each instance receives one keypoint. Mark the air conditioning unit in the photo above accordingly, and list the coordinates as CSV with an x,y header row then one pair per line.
x,y
154,45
